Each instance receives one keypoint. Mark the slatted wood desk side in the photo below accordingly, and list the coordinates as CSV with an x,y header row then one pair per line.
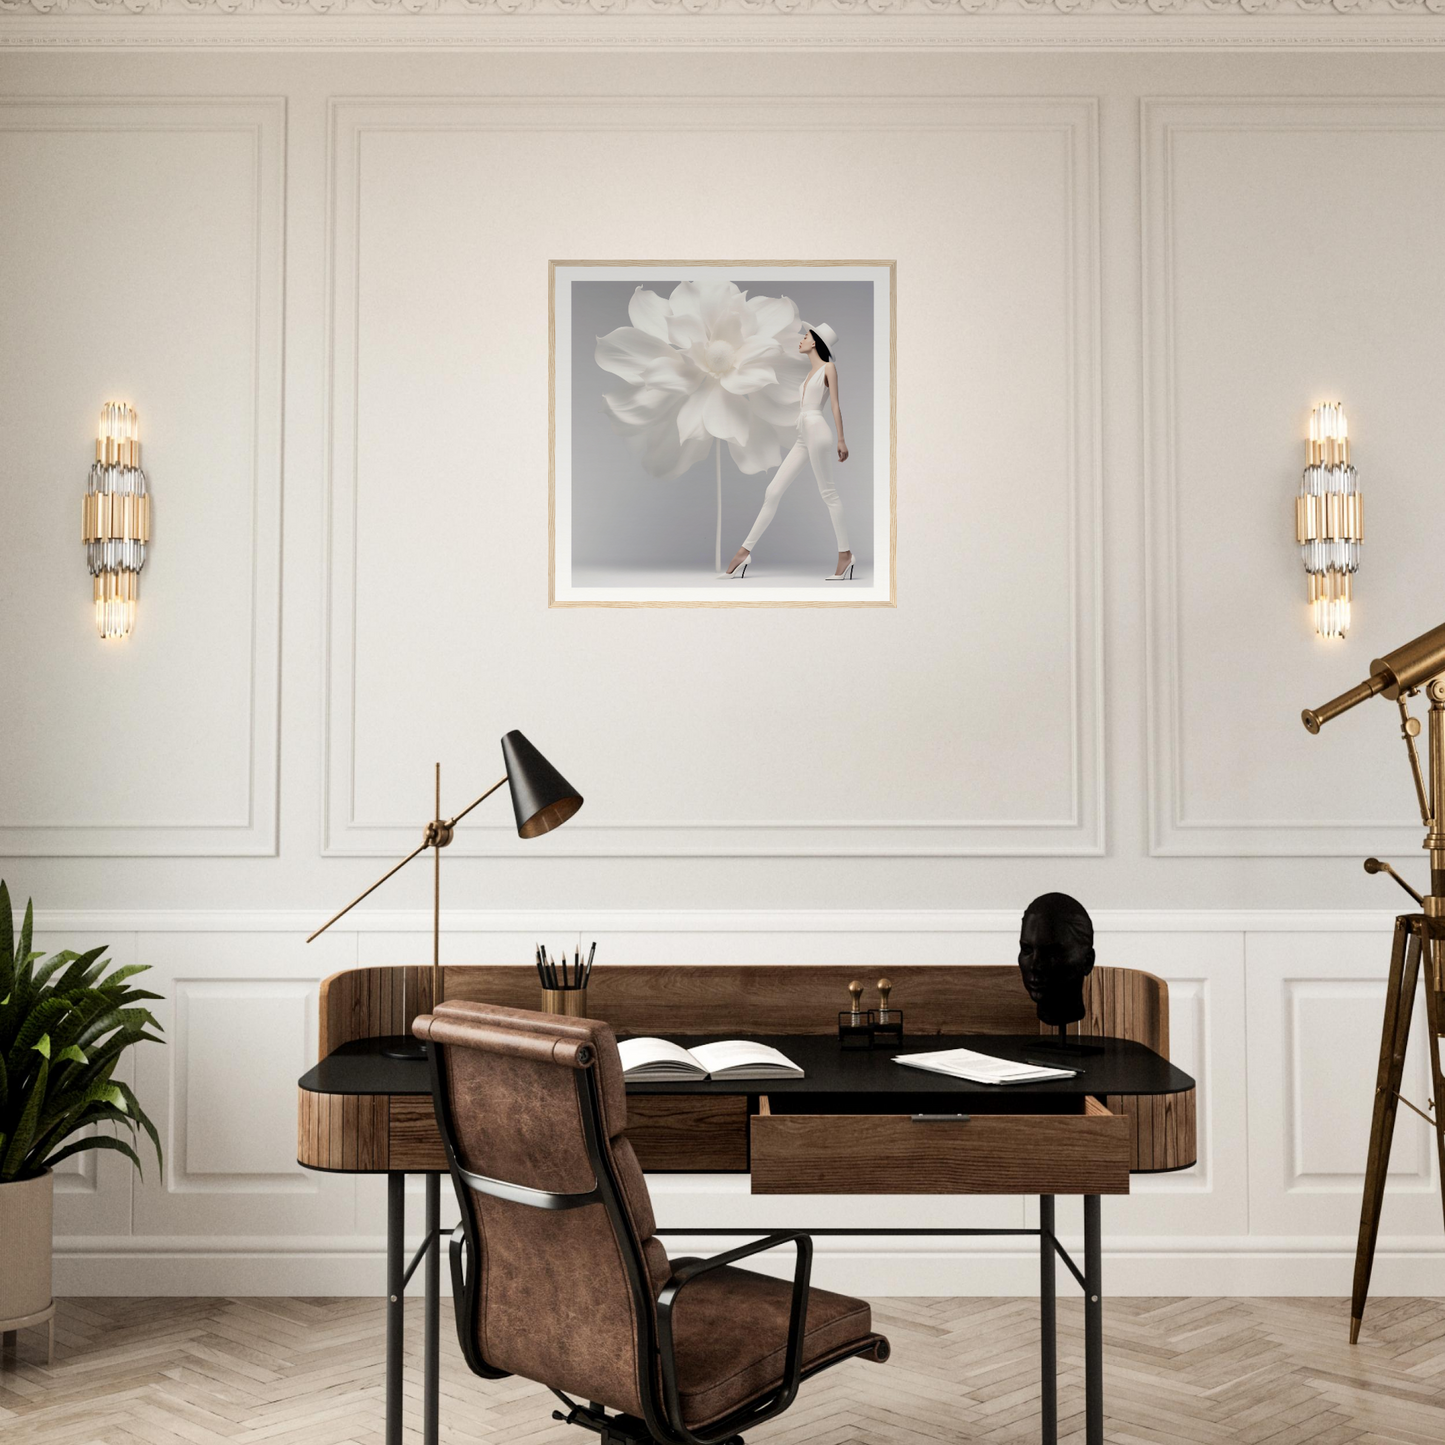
x,y
1091,1152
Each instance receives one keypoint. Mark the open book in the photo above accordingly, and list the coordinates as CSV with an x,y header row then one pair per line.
x,y
656,1061
981,1068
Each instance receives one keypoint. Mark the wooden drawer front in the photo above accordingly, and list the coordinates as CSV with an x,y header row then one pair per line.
x,y
1083,1153
689,1132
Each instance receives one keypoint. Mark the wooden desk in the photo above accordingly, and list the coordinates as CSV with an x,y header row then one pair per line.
x,y
847,1127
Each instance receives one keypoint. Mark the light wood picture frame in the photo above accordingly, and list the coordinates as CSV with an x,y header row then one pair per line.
x,y
685,418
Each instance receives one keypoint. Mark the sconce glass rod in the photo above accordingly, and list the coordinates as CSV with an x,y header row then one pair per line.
x,y
116,519
1329,519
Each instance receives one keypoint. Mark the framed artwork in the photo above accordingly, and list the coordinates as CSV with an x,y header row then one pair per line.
x,y
722,434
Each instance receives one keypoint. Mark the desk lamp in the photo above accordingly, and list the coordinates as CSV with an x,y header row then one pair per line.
x,y
542,799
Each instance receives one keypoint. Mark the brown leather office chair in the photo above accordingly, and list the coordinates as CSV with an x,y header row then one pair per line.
x,y
556,1272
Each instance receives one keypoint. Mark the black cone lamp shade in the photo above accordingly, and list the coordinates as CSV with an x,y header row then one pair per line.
x,y
542,798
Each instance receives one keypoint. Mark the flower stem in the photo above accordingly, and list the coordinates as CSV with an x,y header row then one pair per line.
x,y
717,543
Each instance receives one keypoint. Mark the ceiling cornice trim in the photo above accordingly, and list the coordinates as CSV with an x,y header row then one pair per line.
x,y
724,24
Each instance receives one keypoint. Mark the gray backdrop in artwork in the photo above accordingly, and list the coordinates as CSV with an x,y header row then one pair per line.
x,y
621,515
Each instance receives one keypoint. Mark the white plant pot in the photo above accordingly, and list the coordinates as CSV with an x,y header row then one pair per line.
x,y
26,1213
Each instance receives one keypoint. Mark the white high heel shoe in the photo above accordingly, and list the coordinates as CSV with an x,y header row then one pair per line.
x,y
846,575
740,569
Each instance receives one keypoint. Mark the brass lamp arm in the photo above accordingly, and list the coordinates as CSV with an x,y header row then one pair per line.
x,y
431,840
420,848
453,823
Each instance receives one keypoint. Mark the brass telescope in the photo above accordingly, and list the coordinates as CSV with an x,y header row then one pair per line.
x,y
1402,670
1419,937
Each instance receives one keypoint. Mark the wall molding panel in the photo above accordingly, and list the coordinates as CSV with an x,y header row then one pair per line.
x,y
1183,823
261,122
1073,123
233,1215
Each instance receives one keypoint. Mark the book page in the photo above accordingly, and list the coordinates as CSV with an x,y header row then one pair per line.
x,y
740,1053
645,1052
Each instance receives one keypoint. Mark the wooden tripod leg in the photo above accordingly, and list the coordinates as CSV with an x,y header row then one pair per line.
x,y
1399,1006
1435,1017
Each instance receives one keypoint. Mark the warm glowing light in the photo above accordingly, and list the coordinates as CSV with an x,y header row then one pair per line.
x,y
115,520
1329,519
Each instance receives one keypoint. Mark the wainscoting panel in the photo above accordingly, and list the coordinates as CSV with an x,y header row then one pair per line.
x,y
415,178
240,1021
1271,1207
1316,1005
130,220
1253,314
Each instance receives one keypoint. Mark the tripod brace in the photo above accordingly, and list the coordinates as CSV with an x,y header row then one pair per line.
x,y
1418,936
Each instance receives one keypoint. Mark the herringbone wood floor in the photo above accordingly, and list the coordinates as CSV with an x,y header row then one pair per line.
x,y
1206,1371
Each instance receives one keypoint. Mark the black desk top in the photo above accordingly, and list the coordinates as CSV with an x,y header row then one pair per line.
x,y
1111,1066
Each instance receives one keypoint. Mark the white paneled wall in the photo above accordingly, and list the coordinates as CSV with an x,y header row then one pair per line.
x,y
320,276
1278,1024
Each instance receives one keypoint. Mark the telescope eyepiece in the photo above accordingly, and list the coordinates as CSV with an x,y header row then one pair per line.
x,y
1373,865
1311,720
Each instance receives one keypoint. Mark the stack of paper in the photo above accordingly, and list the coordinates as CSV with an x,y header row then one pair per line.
x,y
981,1068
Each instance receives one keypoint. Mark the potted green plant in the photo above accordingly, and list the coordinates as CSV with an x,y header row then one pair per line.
x,y
64,1025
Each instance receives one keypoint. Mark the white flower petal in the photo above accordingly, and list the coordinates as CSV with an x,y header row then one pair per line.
x,y
648,312
690,415
686,331
673,372
726,415
685,300
776,413
627,351
776,316
743,380
762,451
632,407
715,300
727,326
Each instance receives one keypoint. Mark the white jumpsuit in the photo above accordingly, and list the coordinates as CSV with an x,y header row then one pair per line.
x,y
815,444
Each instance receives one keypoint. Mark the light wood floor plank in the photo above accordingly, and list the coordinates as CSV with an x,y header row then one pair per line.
x,y
1178,1372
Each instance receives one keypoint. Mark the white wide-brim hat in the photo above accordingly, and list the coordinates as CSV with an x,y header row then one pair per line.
x,y
825,334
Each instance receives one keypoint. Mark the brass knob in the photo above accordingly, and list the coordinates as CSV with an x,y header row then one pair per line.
x,y
885,987
855,993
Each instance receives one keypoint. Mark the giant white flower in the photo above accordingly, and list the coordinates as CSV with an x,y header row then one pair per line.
x,y
706,363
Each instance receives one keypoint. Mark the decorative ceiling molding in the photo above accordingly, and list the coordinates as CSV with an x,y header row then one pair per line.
x,y
724,25
711,25
823,9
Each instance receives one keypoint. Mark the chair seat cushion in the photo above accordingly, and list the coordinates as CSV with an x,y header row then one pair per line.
x,y
730,1334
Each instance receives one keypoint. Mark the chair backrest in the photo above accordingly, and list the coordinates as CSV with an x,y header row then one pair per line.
x,y
532,1108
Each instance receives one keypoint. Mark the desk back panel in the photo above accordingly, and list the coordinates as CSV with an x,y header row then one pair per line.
x,y
1122,1003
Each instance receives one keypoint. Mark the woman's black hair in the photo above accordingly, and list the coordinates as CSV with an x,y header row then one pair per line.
x,y
821,345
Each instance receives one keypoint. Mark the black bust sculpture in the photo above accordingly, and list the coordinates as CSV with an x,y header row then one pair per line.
x,y
1056,954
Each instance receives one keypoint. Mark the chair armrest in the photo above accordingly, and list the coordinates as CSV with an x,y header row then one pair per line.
x,y
797,1323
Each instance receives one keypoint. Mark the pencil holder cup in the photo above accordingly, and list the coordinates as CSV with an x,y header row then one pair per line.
x,y
569,1001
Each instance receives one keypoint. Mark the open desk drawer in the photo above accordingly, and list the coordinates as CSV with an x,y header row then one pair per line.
x,y
1076,1147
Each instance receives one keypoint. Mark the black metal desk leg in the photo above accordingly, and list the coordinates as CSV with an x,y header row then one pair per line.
x,y
395,1300
1093,1325
433,1307
1048,1329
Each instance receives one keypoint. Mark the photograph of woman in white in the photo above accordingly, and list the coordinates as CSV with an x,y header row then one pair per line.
x,y
815,446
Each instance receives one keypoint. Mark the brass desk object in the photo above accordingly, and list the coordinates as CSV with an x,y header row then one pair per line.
x,y
1398,676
